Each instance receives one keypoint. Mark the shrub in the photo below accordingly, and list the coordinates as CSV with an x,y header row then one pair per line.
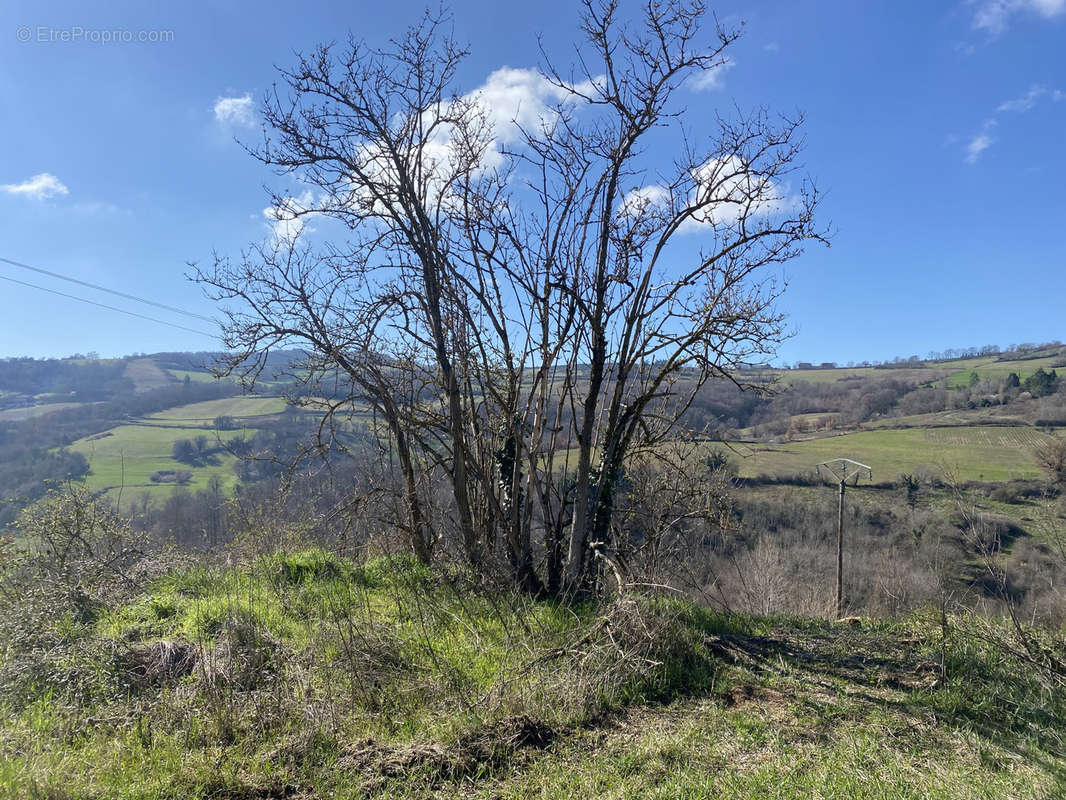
x,y
305,566
393,571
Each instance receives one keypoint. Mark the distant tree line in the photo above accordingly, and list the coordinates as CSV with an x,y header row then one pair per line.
x,y
64,379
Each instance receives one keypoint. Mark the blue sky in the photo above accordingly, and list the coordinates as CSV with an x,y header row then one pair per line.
x,y
937,131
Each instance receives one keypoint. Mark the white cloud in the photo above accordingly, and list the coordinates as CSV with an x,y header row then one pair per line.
x,y
637,201
994,15
978,144
235,110
288,219
516,100
511,101
725,189
731,190
1025,102
39,187
983,139
714,78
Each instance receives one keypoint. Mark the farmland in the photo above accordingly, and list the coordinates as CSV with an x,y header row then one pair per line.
x,y
193,375
126,456
977,452
239,408
949,374
997,370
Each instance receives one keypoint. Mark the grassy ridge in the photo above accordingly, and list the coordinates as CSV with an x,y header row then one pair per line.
x,y
242,681
950,373
1001,369
308,675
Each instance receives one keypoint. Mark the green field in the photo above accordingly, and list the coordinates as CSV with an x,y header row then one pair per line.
x,y
196,376
953,374
382,679
1002,369
993,415
237,407
970,452
126,456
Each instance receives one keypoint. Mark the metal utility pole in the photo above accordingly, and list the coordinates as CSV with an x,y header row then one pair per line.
x,y
843,470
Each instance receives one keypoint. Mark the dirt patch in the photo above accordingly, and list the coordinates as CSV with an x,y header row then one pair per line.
x,y
746,694
486,748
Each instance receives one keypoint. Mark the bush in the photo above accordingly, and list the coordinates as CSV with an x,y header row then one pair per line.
x,y
395,571
305,566
181,476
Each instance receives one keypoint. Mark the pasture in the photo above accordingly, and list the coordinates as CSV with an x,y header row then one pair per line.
x,y
125,457
978,452
1002,369
204,414
196,376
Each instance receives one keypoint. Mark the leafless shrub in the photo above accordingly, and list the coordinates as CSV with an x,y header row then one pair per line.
x,y
155,664
242,658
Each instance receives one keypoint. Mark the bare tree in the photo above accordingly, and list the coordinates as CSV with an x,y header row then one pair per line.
x,y
525,313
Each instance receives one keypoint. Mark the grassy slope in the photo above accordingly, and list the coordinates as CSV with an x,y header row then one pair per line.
x,y
1001,369
131,453
236,407
192,375
971,452
899,444
146,374
952,373
822,713
383,683
127,455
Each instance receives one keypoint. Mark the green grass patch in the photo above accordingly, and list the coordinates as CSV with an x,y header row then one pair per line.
x,y
125,457
306,671
978,452
237,407
197,376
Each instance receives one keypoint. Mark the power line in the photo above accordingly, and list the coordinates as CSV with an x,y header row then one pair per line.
x,y
104,289
104,305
